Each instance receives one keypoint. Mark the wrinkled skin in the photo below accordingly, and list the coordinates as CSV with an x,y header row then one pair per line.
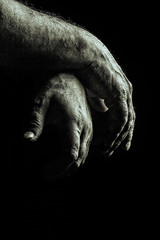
x,y
113,92
62,103
52,44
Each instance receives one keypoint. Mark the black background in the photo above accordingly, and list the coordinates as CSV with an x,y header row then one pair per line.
x,y
104,197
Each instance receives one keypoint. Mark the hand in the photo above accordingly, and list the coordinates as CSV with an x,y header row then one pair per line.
x,y
113,91
62,102
69,47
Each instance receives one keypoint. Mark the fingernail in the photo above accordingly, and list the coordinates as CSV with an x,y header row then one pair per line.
x,y
29,135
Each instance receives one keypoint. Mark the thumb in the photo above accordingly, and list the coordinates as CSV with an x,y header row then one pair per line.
x,y
35,122
96,102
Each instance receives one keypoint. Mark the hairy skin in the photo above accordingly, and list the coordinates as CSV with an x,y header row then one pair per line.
x,y
62,103
30,39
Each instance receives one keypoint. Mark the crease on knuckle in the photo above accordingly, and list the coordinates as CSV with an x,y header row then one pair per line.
x,y
89,128
130,86
123,119
40,103
36,119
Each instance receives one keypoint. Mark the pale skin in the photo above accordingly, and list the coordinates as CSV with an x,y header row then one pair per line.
x,y
30,39
62,103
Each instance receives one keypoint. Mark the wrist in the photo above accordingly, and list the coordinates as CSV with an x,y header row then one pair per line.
x,y
69,48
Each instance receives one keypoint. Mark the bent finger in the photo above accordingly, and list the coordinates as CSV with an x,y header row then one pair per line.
x,y
117,120
127,142
36,119
86,138
125,137
70,134
132,117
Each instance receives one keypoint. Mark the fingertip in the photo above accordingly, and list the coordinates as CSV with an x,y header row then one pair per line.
x,y
105,149
127,146
111,153
29,135
74,154
108,154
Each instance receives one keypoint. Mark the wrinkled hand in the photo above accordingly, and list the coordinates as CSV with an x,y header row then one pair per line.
x,y
105,78
62,102
71,48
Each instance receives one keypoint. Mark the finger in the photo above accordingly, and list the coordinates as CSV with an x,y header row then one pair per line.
x,y
35,123
127,142
97,103
122,137
131,123
36,119
86,138
117,143
70,142
70,133
126,135
117,119
64,164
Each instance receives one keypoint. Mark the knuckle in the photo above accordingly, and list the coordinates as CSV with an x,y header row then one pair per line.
x,y
89,128
40,103
36,119
123,93
88,135
125,87
123,118
76,121
130,86
74,153
122,112
120,85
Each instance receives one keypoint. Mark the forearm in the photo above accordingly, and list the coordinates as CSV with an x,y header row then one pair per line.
x,y
31,39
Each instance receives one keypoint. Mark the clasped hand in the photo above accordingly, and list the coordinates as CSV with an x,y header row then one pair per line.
x,y
63,102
